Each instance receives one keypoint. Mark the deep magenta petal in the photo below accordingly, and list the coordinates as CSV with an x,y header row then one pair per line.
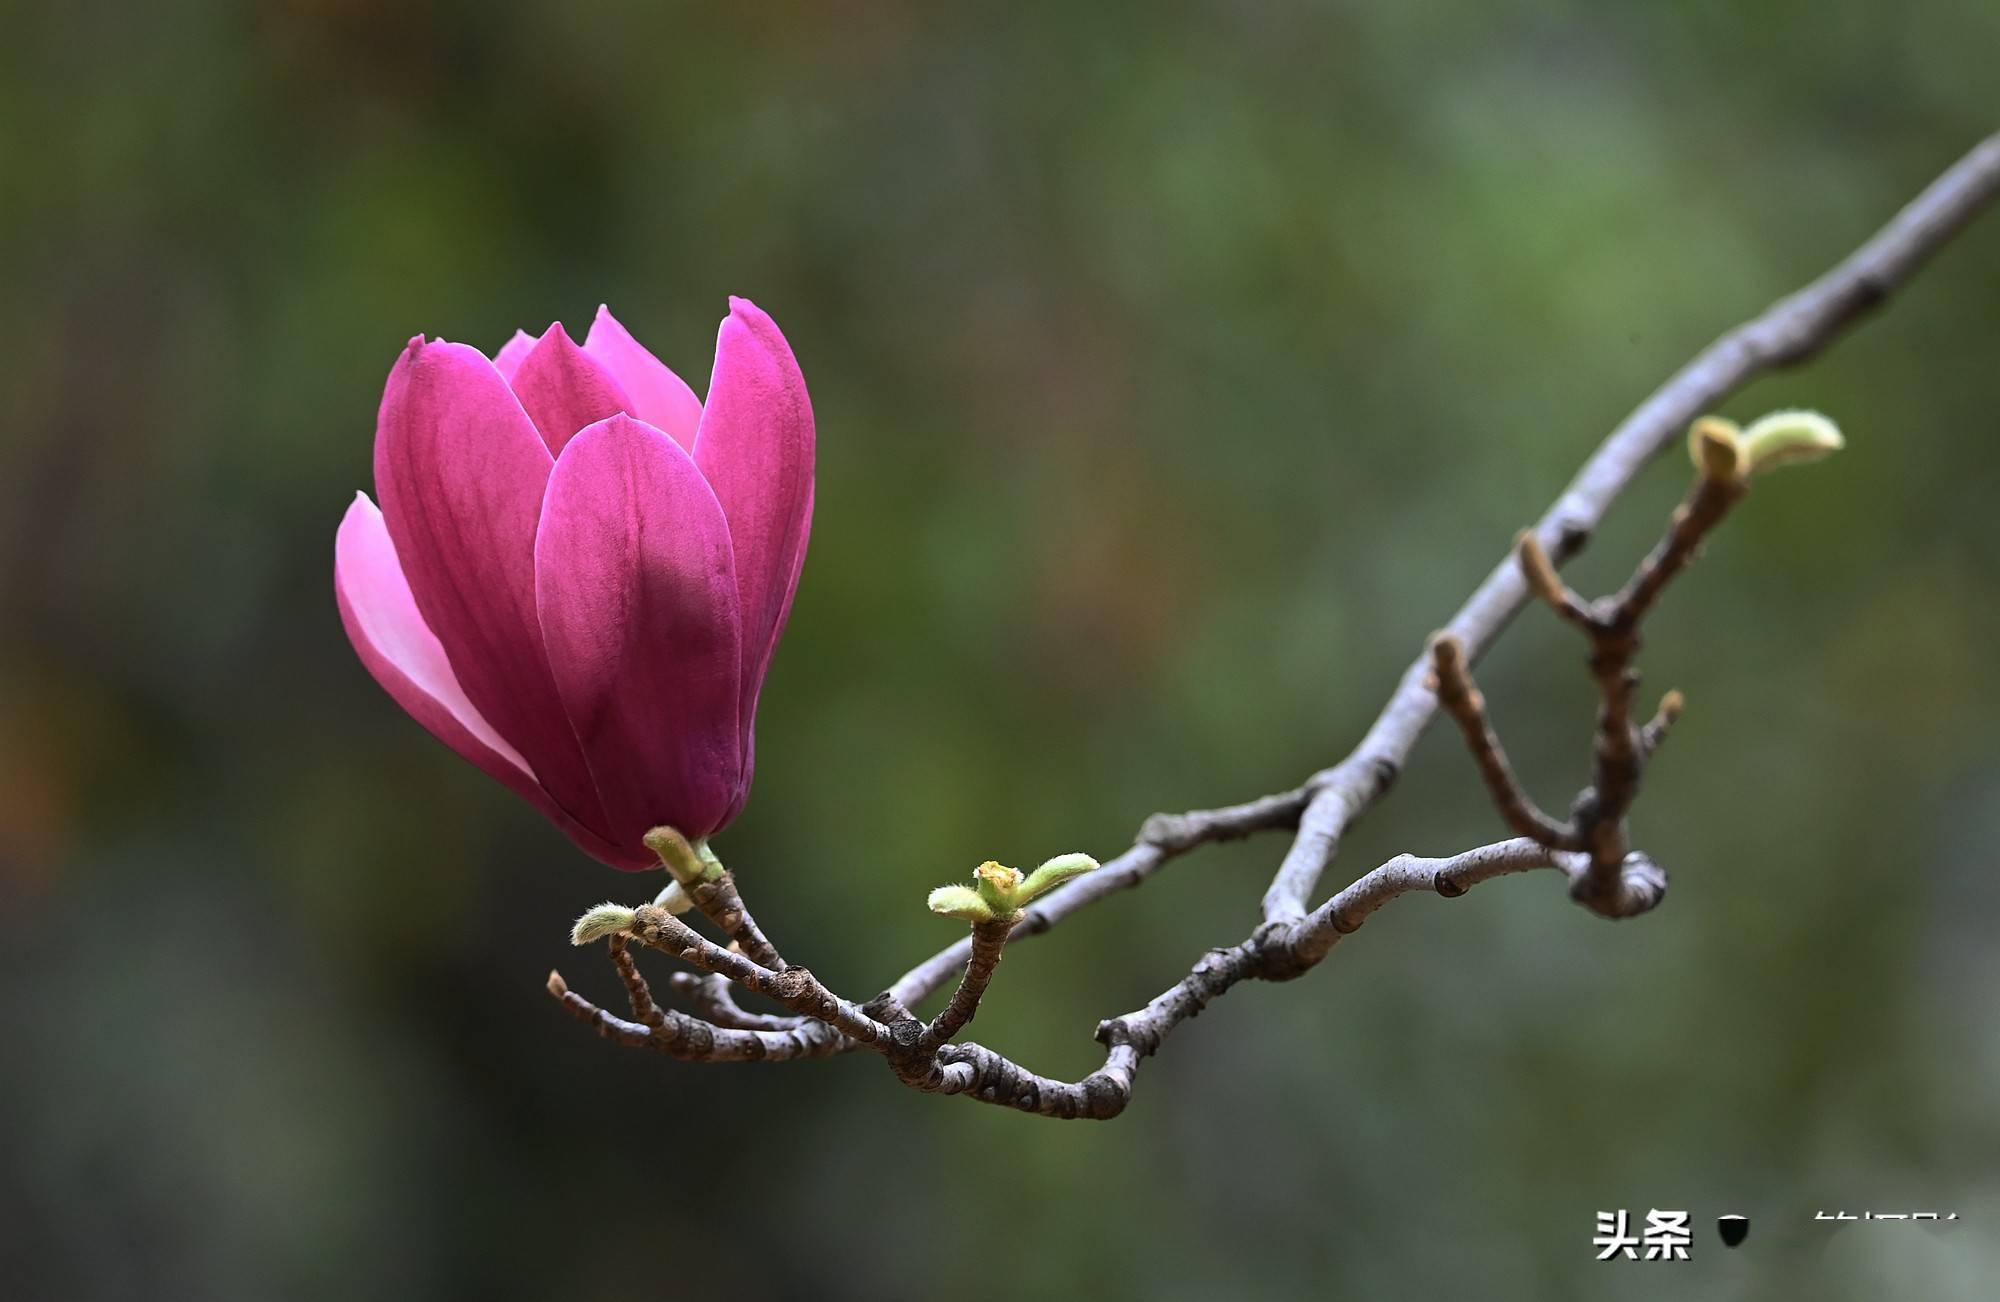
x,y
563,388
662,398
638,599
461,473
755,447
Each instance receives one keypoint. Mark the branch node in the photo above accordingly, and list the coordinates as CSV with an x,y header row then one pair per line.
x,y
1636,886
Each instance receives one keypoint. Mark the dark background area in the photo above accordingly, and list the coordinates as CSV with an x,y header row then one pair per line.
x,y
1176,372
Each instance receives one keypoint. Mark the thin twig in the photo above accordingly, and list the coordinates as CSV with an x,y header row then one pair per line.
x,y
712,999
1463,701
794,988
690,1039
721,903
988,941
1655,732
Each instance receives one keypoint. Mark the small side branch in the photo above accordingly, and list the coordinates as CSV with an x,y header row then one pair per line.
x,y
988,941
1654,734
1450,877
721,903
1620,748
795,988
1463,701
713,1000
691,1039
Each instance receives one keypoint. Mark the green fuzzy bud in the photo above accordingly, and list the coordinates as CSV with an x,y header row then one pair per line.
x,y
1787,438
960,902
689,861
998,885
1052,874
606,919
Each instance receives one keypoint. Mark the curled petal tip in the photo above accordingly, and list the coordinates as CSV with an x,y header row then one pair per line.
x,y
747,311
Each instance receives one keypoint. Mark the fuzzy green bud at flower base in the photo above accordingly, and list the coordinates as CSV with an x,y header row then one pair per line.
x,y
690,862
606,919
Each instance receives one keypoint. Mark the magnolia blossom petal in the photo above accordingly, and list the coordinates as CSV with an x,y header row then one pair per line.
x,y
662,398
508,359
755,447
637,592
401,651
461,472
563,388
404,656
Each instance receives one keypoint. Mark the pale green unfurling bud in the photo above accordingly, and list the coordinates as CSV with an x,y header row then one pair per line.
x,y
1787,438
960,902
674,899
1000,892
1052,874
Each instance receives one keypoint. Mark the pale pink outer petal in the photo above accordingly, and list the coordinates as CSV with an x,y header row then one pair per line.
x,y
755,447
382,621
637,592
404,656
563,388
663,399
461,472
508,359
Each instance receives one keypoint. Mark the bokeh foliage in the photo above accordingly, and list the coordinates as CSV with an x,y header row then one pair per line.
x,y
1177,369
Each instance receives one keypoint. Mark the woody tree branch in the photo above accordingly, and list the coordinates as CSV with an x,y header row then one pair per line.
x,y
1589,848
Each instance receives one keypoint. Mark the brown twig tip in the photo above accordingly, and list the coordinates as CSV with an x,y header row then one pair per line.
x,y
1538,570
557,986
1662,722
1717,449
1448,657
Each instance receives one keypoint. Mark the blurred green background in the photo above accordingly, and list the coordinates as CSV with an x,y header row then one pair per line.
x,y
1176,371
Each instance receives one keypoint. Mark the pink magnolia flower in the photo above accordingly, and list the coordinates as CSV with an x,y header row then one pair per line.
x,y
579,571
